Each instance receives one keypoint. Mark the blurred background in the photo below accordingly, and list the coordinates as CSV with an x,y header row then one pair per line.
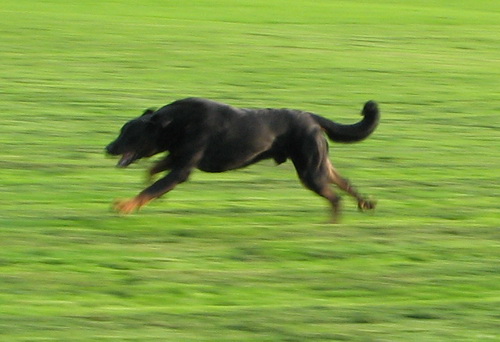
x,y
248,255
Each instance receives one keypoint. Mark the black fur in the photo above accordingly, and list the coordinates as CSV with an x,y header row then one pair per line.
x,y
215,137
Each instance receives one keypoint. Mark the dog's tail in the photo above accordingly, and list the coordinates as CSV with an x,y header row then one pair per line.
x,y
355,132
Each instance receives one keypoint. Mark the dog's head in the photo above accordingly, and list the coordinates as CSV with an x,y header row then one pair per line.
x,y
138,138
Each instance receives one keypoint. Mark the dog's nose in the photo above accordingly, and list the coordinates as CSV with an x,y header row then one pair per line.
x,y
109,149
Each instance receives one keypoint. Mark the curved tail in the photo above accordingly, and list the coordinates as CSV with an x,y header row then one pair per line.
x,y
355,132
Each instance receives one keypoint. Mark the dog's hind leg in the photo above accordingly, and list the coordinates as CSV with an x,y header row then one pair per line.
x,y
310,161
323,189
345,184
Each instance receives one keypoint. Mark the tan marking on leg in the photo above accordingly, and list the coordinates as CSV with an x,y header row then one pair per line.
x,y
129,205
344,184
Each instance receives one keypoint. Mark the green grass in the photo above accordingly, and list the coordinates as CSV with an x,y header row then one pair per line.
x,y
247,255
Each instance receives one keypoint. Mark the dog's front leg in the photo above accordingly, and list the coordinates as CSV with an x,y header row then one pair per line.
x,y
159,188
160,166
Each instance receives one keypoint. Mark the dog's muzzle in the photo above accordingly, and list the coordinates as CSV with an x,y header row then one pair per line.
x,y
126,159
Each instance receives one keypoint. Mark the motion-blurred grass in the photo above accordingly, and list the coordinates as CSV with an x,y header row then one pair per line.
x,y
247,255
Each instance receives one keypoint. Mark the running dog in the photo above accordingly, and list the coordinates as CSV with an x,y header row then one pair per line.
x,y
215,137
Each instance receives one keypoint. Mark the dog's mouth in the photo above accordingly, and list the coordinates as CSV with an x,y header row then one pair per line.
x,y
127,159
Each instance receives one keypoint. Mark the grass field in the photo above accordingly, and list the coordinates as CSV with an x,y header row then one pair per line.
x,y
248,255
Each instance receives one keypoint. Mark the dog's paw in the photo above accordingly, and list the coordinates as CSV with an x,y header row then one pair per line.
x,y
126,206
366,205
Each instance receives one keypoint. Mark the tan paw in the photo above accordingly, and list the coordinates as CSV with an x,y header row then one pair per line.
x,y
366,205
127,206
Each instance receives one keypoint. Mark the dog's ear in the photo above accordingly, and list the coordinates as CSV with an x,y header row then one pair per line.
x,y
161,120
149,111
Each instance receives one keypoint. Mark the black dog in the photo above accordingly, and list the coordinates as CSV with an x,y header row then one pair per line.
x,y
215,137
